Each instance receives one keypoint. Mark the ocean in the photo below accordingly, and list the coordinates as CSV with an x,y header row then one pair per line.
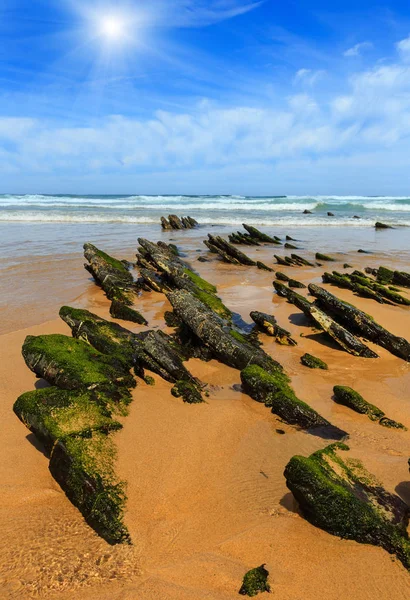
x,y
210,210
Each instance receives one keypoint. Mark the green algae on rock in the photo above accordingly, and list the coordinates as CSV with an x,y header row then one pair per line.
x,y
340,497
187,391
53,414
111,274
118,310
84,468
274,390
325,257
255,582
312,362
349,397
73,364
358,322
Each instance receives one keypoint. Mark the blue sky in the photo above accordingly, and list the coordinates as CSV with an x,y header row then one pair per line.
x,y
204,96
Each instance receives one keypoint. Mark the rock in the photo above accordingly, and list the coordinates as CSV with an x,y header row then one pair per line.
x,y
340,497
342,336
379,225
385,276
230,250
312,362
359,322
118,310
281,276
269,325
347,266
283,261
84,469
330,214
187,391
263,267
255,582
356,217
290,239
349,397
292,283
274,391
324,257
361,251
152,350
258,235
307,212
228,345
111,274
175,222
301,261
363,286
290,246
166,226
72,364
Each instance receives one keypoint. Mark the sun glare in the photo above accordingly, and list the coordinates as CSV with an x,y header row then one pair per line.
x,y
112,28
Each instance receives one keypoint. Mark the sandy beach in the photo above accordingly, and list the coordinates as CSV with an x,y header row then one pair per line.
x,y
207,499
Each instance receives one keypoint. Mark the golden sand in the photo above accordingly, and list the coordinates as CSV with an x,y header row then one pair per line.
x,y
207,499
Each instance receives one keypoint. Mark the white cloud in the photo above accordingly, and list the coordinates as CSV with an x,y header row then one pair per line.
x,y
357,49
308,77
404,49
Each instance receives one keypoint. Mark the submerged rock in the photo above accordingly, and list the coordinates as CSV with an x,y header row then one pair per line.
x,y
313,363
339,496
255,582
380,225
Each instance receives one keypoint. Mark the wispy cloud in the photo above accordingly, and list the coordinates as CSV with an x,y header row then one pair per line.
x,y
308,76
358,49
404,48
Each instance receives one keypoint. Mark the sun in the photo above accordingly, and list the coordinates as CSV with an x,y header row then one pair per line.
x,y
112,28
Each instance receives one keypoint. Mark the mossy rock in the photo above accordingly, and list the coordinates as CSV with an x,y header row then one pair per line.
x,y
53,414
187,391
293,283
274,391
214,303
116,264
312,362
281,276
72,364
385,275
255,582
118,310
84,467
349,397
324,257
340,497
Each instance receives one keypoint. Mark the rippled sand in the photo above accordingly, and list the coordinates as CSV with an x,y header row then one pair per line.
x,y
207,499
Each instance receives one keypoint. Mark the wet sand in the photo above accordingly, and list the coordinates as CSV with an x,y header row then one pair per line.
x,y
207,499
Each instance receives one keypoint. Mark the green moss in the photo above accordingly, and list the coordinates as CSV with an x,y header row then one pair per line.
x,y
200,283
84,467
325,257
149,380
187,391
274,391
312,362
71,363
238,336
118,310
255,582
54,414
113,262
214,303
343,500
385,275
349,397
392,424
